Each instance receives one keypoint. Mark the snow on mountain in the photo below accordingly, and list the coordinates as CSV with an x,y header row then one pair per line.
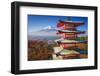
x,y
48,27
46,31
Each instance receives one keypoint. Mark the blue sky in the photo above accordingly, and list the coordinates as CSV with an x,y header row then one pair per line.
x,y
38,22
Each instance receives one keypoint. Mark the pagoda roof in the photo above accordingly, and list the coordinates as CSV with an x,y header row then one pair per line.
x,y
67,52
68,31
64,51
66,41
75,23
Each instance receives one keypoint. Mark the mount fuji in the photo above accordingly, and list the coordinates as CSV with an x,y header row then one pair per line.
x,y
47,33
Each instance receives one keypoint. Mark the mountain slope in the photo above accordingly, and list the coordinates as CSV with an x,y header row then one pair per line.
x,y
47,34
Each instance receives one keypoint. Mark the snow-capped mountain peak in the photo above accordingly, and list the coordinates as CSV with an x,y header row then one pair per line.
x,y
48,27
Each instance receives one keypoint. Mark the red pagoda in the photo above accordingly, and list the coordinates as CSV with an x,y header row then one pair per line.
x,y
67,43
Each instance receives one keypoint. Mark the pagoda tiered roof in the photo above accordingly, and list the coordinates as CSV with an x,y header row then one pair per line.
x,y
67,52
64,41
64,51
68,31
78,23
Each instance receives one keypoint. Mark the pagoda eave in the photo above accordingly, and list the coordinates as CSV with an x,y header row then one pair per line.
x,y
72,22
66,41
69,52
59,42
73,42
75,32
